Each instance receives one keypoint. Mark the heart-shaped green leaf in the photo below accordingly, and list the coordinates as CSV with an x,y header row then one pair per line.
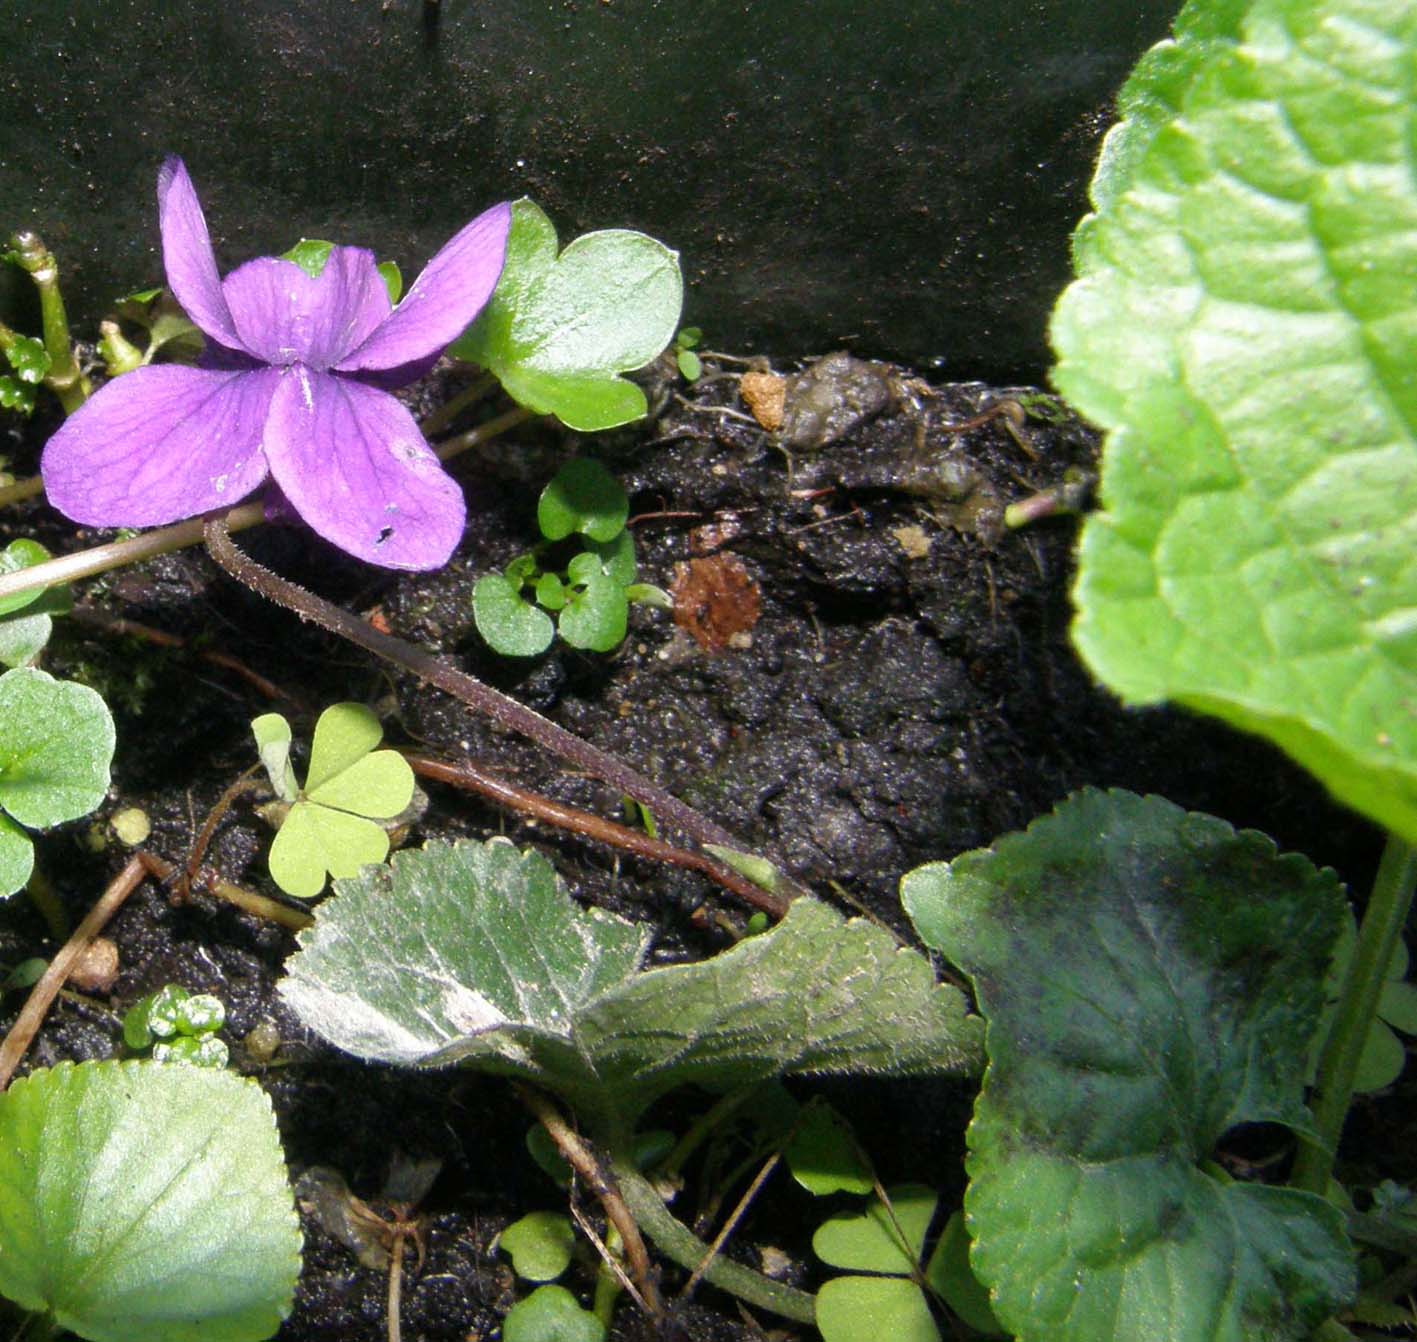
x,y
510,624
551,1314
823,1154
852,1308
597,613
880,1239
1151,978
583,498
140,1200
559,330
1244,324
475,953
540,1245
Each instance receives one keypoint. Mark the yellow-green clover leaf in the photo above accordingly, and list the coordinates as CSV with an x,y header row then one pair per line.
x,y
330,826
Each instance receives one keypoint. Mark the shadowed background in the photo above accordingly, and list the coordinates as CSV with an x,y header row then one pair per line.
x,y
899,177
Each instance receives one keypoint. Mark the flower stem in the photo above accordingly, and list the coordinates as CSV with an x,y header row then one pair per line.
x,y
1382,925
21,490
446,413
65,379
101,558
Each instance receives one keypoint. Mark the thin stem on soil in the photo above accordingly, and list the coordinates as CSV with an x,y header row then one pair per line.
x,y
731,1224
40,893
21,490
1383,921
505,711
476,779
681,1244
446,413
581,1159
137,869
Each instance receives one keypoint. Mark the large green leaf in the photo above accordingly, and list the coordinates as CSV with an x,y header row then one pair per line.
x,y
142,1200
1150,978
558,331
1245,326
56,743
476,953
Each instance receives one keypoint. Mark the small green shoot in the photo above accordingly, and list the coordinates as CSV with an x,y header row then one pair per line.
x,y
590,596
56,744
330,826
559,330
541,1245
142,1201
167,327
691,367
177,1026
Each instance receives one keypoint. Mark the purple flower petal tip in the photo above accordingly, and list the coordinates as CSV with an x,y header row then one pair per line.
x,y
291,388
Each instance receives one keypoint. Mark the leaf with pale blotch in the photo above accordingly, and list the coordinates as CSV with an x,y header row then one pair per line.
x,y
475,953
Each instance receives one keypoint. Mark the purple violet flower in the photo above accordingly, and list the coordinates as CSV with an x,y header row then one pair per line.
x,y
294,386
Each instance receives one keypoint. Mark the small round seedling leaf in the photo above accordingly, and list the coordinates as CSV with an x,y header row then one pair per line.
x,y
310,254
21,554
585,498
558,331
880,1239
1398,1006
314,840
16,857
206,1051
56,742
852,1308
23,638
824,1156
551,1314
1381,1061
142,1201
164,1013
540,1245
392,276
511,626
201,1013
550,592
596,616
30,360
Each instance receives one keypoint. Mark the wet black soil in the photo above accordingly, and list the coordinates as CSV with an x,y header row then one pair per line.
x,y
868,671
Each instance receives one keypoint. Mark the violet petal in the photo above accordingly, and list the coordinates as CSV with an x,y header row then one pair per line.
x,y
354,465
187,255
285,316
441,303
159,444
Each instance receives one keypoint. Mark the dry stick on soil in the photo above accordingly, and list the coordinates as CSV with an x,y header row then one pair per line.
x,y
137,869
245,783
475,779
503,710
731,1224
581,1159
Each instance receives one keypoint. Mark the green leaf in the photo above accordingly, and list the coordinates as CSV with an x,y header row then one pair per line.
x,y
23,638
823,1154
1151,978
540,1245
951,1277
511,626
551,1314
850,1309
344,735
56,742
596,615
392,276
1244,325
550,592
192,1050
558,331
314,840
21,554
28,357
272,733
16,857
475,953
875,1240
16,395
691,367
616,557
583,498
142,1201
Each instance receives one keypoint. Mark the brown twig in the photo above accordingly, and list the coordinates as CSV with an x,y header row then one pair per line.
x,y
245,783
730,1225
582,1159
248,901
137,869
476,779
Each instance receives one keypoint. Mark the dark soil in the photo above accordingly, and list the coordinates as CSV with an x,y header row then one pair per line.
x,y
888,681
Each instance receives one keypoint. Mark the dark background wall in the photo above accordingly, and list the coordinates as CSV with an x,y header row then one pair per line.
x,y
898,176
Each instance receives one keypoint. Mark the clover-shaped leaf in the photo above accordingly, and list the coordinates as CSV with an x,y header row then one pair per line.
x,y
56,743
559,330
1151,978
540,1245
330,826
476,953
1244,325
142,1201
